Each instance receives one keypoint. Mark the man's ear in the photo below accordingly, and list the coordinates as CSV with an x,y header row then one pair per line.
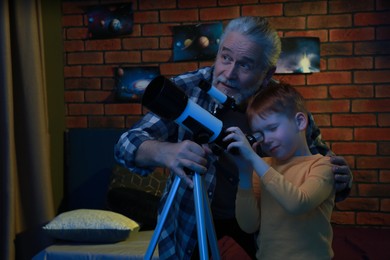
x,y
268,76
301,121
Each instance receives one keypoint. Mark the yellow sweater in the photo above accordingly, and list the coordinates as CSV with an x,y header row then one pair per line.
x,y
292,205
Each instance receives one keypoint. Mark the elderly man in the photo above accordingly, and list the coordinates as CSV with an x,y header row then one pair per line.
x,y
245,63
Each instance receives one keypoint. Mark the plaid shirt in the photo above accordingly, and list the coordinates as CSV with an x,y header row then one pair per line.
x,y
178,237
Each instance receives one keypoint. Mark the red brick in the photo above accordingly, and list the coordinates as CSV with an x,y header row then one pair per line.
x,y
329,21
382,5
98,96
351,91
383,33
177,68
372,76
365,176
350,63
322,120
123,109
354,34
349,7
140,43
221,13
343,217
76,122
82,83
376,162
71,46
156,56
382,62
338,134
98,71
288,23
327,106
157,29
385,205
353,120
108,83
152,4
317,92
372,134
123,57
368,218
76,33
131,120
372,48
321,34
85,109
103,45
374,190
85,58
361,204
384,119
293,79
106,122
72,20
72,71
186,15
384,176
166,42
335,49
366,19
192,4
263,10
378,105
74,96
382,91
354,148
329,78
384,148
306,8
146,17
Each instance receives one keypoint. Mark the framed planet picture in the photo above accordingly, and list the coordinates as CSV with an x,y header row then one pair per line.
x,y
299,55
196,42
132,81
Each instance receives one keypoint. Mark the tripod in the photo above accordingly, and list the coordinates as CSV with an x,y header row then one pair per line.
x,y
203,216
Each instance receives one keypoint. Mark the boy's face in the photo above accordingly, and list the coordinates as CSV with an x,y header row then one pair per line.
x,y
282,136
237,71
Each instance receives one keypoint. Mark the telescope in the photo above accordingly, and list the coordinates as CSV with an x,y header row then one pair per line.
x,y
168,101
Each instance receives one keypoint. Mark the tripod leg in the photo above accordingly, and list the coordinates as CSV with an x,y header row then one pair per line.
x,y
210,228
163,216
199,213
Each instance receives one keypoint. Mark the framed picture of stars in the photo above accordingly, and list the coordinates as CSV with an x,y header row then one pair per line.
x,y
196,42
108,21
131,82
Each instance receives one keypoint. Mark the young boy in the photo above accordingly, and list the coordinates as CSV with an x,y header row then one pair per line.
x,y
290,197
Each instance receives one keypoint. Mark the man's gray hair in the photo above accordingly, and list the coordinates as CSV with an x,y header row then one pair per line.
x,y
258,30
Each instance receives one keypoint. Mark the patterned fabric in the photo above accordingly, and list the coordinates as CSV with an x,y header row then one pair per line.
x,y
178,237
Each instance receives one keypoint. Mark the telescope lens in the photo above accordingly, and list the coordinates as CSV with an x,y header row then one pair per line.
x,y
164,98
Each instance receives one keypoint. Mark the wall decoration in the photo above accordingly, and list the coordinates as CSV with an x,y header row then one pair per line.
x,y
132,81
108,21
196,42
299,55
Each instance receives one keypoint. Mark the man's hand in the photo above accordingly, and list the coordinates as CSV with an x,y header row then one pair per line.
x,y
180,158
342,176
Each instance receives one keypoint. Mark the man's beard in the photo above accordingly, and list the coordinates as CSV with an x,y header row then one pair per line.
x,y
241,95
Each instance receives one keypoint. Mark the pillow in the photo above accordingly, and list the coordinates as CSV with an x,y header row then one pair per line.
x,y
91,226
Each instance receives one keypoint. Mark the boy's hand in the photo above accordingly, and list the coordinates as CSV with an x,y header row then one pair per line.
x,y
342,176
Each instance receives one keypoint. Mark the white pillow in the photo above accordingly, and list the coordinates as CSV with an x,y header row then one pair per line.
x,y
91,226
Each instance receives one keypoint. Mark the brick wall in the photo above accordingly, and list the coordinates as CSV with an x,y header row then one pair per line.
x,y
350,97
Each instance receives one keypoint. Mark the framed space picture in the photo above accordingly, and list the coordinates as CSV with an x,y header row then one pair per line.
x,y
299,55
132,81
108,21
196,42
